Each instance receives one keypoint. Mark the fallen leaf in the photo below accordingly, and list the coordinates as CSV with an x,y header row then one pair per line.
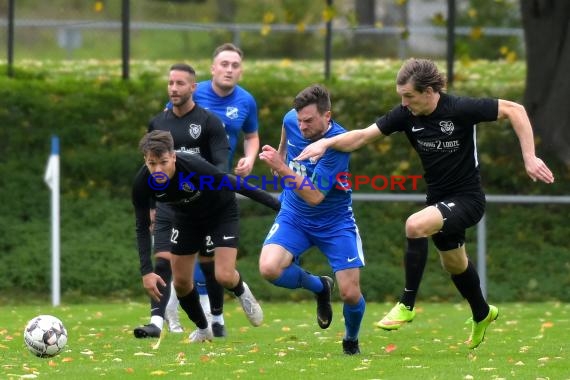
x,y
389,348
143,354
546,325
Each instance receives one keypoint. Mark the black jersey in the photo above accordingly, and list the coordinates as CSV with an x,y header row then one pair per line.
x,y
445,141
199,131
188,196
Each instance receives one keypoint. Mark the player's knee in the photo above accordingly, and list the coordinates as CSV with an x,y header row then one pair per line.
x,y
414,228
226,278
350,295
182,286
269,272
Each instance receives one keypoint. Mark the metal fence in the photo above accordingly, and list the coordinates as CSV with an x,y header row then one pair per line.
x,y
481,226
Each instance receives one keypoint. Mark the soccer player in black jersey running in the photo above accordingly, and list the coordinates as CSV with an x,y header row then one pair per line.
x,y
441,128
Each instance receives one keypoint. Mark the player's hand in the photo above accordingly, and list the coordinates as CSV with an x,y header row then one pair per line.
x,y
150,283
313,152
272,158
537,170
244,166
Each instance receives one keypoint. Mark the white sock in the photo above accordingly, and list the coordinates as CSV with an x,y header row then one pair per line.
x,y
205,302
157,320
218,318
172,304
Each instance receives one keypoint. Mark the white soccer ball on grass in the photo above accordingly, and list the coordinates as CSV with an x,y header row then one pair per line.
x,y
45,336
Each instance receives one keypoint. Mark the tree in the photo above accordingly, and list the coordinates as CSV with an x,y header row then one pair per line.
x,y
547,36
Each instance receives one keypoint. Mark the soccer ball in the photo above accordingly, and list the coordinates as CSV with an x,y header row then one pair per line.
x,y
45,336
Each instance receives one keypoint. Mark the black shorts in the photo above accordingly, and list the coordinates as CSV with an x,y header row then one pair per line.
x,y
459,213
163,232
219,229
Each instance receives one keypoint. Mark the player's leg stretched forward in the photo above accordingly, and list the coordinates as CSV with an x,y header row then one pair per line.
x,y
418,226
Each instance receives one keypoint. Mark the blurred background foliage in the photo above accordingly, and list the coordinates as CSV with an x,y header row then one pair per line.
x,y
166,29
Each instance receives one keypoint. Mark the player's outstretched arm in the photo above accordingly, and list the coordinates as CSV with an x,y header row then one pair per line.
x,y
346,142
202,167
534,166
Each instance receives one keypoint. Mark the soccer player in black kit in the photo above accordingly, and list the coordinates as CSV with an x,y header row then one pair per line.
x,y
201,208
195,131
441,128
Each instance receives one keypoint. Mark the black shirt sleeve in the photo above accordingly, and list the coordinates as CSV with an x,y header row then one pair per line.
x,y
220,179
141,202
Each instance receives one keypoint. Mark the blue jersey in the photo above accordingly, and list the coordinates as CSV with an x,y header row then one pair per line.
x,y
327,174
328,225
238,111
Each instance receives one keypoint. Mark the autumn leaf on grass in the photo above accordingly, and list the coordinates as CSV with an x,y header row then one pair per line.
x,y
180,357
143,354
391,347
546,325
254,349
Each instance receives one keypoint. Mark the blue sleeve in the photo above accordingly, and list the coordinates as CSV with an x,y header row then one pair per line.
x,y
251,123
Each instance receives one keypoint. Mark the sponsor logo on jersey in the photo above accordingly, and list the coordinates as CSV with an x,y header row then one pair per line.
x,y
195,130
232,113
446,127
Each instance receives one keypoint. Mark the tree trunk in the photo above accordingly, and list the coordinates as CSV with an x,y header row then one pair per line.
x,y
546,26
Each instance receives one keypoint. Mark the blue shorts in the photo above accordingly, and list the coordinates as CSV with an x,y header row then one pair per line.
x,y
339,242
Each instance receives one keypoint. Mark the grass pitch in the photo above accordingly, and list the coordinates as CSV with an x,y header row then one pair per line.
x,y
528,341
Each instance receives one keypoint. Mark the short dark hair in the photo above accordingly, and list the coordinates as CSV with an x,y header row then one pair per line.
x,y
183,67
227,47
315,94
156,143
422,73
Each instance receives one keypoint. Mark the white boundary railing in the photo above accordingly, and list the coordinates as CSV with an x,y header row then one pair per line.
x,y
481,226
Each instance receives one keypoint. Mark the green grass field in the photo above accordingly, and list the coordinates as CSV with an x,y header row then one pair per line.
x,y
528,341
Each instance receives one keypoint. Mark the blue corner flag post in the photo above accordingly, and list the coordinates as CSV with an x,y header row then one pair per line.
x,y
51,178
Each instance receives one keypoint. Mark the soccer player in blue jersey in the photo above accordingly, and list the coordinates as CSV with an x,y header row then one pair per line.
x,y
237,109
234,105
316,210
441,128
